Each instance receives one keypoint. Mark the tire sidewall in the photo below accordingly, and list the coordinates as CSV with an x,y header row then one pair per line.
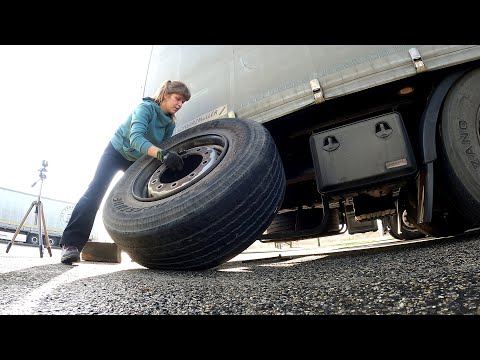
x,y
459,148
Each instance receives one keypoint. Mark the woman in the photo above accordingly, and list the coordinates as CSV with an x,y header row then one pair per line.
x,y
152,121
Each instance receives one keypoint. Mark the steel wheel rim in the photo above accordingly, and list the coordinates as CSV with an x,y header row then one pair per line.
x,y
200,155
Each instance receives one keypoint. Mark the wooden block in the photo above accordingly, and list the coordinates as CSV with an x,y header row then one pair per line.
x,y
102,252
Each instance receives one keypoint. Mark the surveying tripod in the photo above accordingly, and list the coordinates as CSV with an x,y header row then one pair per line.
x,y
39,215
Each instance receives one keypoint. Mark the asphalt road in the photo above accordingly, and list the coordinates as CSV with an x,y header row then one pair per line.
x,y
439,277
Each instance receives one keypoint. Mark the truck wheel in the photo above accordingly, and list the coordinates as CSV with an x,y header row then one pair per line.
x,y
53,240
225,197
459,148
32,239
409,232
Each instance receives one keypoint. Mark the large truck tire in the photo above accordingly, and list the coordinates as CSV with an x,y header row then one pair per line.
x,y
225,197
459,147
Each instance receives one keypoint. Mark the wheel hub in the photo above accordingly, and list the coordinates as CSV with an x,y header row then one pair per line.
x,y
198,162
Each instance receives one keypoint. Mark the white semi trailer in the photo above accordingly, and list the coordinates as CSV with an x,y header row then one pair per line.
x,y
291,142
14,206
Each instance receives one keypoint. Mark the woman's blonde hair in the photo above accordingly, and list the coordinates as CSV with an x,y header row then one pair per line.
x,y
171,87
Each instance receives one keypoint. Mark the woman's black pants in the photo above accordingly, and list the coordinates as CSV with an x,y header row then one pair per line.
x,y
81,221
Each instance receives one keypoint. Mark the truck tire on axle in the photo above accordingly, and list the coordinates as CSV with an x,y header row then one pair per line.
x,y
225,197
408,231
459,150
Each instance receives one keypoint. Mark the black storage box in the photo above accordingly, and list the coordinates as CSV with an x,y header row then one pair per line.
x,y
357,155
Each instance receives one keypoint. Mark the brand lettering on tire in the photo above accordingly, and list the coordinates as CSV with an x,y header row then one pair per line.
x,y
465,140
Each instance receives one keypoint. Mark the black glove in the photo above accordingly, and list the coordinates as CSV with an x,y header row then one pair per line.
x,y
172,160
